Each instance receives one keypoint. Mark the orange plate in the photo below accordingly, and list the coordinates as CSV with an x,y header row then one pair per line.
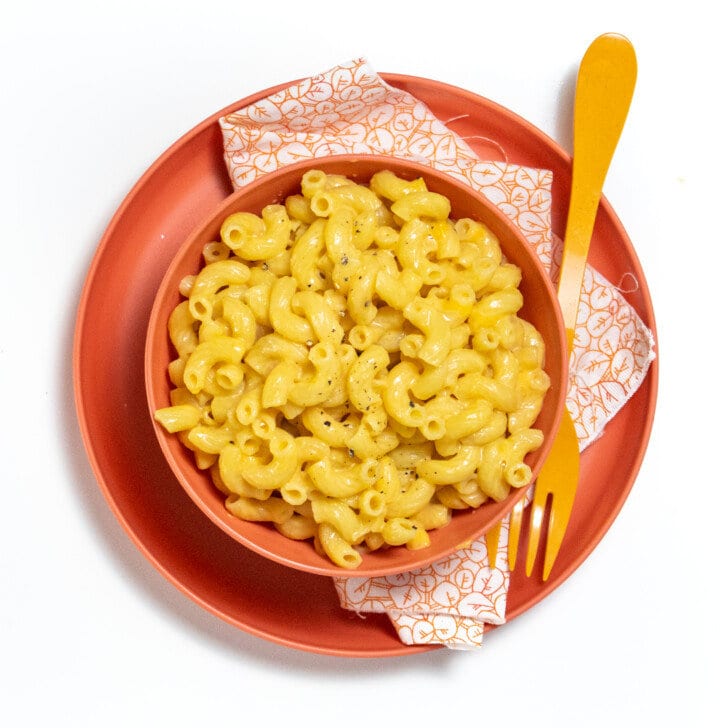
x,y
264,598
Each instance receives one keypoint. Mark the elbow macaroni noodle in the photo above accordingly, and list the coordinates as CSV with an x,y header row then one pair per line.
x,y
351,366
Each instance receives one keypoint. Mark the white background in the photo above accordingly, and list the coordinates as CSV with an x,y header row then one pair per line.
x,y
90,633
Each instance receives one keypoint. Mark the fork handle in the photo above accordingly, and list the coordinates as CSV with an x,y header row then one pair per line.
x,y
604,88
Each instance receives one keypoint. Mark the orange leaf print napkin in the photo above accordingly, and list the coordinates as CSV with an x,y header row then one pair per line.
x,y
351,109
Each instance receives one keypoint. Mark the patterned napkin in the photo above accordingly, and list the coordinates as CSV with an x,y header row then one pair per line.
x,y
351,109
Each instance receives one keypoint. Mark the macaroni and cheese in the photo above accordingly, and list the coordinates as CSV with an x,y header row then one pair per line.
x,y
351,366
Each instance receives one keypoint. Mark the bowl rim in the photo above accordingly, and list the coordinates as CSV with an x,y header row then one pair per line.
x,y
419,558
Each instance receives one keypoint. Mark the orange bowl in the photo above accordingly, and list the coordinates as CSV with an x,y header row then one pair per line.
x,y
540,308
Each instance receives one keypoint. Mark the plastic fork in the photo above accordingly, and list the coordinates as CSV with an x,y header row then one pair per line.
x,y
604,88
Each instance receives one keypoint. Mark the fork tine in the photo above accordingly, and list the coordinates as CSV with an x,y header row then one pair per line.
x,y
558,520
538,506
492,539
514,533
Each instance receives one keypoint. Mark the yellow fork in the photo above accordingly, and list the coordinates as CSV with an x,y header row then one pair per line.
x,y
604,89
